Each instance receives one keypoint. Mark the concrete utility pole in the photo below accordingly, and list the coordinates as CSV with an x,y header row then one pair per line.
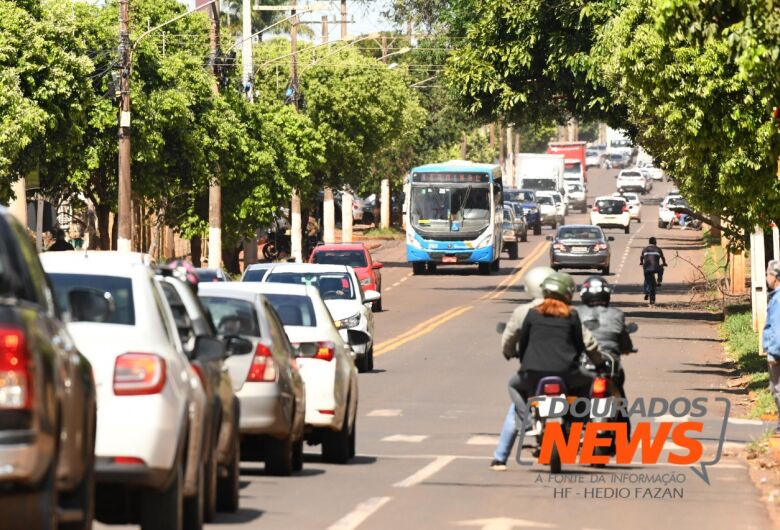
x,y
325,30
509,172
343,19
328,208
758,280
125,187
296,235
215,189
18,206
384,216
246,49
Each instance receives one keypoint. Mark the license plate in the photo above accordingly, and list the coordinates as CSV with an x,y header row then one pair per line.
x,y
449,259
579,250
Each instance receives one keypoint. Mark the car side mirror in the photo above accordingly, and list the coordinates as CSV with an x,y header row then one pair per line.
x,y
610,238
90,305
500,327
357,338
632,327
377,265
237,346
549,238
371,296
210,348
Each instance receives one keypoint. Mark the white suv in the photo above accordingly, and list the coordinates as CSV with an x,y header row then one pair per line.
x,y
632,180
150,400
611,212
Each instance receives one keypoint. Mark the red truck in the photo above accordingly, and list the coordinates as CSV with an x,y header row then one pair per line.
x,y
574,158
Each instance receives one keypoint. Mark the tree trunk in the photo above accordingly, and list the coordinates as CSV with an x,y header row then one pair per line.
x,y
103,236
195,244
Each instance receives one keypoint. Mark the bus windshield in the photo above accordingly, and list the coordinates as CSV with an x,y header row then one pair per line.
x,y
442,208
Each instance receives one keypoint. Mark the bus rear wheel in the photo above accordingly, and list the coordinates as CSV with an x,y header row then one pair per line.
x,y
418,267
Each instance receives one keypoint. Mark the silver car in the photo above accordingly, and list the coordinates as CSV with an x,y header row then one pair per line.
x,y
580,247
265,376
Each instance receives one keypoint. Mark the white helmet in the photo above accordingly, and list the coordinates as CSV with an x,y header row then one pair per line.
x,y
533,280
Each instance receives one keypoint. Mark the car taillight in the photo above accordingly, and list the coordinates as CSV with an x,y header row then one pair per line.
x,y
263,369
625,208
600,246
599,387
15,377
129,461
595,208
551,389
139,374
199,370
325,351
559,246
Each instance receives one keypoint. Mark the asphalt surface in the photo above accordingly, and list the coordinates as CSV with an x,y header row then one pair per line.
x,y
430,413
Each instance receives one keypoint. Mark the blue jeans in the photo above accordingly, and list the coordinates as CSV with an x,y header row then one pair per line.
x,y
648,277
508,436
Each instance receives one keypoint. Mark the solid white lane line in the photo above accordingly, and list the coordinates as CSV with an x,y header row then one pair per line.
x,y
405,438
425,473
385,413
362,511
743,421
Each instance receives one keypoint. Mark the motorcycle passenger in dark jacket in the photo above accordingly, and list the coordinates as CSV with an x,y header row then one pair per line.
x,y
606,323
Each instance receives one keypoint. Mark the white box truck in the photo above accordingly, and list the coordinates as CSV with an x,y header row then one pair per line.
x,y
540,172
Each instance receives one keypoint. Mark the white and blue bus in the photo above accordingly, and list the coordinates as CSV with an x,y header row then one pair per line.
x,y
454,215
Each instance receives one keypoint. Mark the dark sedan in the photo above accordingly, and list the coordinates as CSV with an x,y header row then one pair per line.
x,y
580,247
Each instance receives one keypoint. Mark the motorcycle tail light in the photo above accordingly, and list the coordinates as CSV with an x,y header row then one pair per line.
x,y
599,387
551,389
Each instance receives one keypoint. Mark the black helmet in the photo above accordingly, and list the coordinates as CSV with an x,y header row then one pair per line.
x,y
595,291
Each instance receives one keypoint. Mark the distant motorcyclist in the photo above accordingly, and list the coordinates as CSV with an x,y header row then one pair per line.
x,y
532,281
653,262
605,322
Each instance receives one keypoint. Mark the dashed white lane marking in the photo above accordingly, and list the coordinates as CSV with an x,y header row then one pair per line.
x,y
503,523
405,278
389,288
743,421
362,511
625,253
396,284
385,413
425,473
482,440
670,418
405,438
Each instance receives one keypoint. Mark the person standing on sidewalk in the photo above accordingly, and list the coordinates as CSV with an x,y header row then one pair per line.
x,y
770,339
653,262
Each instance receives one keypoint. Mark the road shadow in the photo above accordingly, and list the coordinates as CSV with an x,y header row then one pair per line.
x,y
242,516
375,371
664,314
359,460
305,472
693,339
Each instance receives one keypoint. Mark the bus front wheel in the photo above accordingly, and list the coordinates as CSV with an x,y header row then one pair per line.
x,y
484,268
418,267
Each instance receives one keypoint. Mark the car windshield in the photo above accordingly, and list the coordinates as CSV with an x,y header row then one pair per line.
x,y
591,153
575,187
610,206
518,208
442,208
332,285
518,195
630,196
544,199
293,310
572,167
580,232
121,290
677,202
539,184
208,275
353,258
616,157
232,316
507,215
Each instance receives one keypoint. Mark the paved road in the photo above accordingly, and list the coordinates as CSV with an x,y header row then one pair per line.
x,y
430,413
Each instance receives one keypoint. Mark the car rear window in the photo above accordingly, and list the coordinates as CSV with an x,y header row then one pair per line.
x,y
232,316
332,285
254,275
120,288
293,310
581,232
610,207
631,174
544,200
352,258
507,215
207,275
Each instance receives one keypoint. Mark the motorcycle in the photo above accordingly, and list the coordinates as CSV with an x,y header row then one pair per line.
x,y
604,391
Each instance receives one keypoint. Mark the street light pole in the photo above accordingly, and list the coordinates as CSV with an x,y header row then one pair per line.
x,y
124,217
296,235
215,188
246,50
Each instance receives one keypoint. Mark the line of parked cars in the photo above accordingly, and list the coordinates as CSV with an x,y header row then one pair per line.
x,y
129,393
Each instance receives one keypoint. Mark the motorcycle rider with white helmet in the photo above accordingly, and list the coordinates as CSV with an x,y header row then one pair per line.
x,y
532,281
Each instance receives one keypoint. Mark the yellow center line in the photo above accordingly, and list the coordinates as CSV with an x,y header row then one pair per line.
x,y
432,323
397,343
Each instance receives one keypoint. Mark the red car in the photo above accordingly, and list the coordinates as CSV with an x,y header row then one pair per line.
x,y
357,256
